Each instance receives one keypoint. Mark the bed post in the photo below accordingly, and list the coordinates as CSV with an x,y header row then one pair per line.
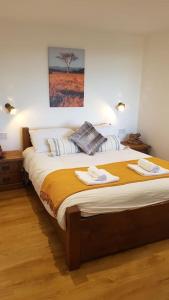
x,y
73,254
26,141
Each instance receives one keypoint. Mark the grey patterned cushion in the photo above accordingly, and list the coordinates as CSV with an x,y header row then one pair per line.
x,y
87,138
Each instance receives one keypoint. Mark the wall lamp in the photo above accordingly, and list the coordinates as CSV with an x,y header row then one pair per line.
x,y
121,106
11,109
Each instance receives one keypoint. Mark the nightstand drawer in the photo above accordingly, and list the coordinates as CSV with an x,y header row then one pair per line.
x,y
7,167
10,178
11,171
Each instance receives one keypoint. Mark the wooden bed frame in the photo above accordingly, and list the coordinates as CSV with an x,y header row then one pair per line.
x,y
104,234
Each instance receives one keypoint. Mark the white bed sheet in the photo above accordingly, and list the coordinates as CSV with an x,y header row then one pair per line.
x,y
96,201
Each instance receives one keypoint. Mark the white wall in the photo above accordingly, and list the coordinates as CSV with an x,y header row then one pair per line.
x,y
113,73
154,104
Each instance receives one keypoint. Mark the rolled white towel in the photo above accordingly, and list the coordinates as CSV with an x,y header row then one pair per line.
x,y
148,166
89,180
96,173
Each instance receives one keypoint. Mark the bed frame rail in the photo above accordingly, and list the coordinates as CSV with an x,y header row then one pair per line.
x,y
101,235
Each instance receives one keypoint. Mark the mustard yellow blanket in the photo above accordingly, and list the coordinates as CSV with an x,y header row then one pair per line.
x,y
60,184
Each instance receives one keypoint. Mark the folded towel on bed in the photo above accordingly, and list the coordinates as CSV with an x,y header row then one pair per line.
x,y
143,172
86,178
97,174
148,166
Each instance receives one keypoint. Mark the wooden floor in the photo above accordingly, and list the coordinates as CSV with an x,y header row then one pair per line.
x,y
32,264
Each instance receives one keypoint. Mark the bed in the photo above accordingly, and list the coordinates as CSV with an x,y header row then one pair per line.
x,y
87,223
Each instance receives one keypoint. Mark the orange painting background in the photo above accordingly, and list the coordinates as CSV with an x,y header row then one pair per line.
x,y
66,89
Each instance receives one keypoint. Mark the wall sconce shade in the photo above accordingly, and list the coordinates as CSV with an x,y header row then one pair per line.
x,y
121,106
11,109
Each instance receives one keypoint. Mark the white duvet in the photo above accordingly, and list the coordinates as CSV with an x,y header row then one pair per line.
x,y
96,201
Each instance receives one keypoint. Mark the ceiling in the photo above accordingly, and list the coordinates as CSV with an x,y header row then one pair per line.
x,y
132,16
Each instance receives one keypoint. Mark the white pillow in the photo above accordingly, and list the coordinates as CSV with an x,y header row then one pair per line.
x,y
39,137
106,129
112,144
61,146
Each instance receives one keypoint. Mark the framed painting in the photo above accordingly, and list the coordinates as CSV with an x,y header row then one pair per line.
x,y
66,77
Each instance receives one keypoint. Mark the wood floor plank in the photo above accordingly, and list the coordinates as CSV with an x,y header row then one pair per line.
x,y
32,263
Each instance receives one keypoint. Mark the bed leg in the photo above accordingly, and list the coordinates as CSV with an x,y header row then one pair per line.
x,y
73,237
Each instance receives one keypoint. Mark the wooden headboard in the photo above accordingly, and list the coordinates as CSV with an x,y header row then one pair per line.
x,y
26,141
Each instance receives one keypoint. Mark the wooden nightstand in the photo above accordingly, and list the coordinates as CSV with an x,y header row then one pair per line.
x,y
138,147
11,170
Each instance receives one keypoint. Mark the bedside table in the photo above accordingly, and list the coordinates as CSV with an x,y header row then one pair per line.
x,y
11,170
138,147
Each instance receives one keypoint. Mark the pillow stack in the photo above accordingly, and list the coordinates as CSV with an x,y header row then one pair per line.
x,y
88,138
39,137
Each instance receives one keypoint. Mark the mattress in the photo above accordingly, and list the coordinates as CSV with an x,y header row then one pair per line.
x,y
95,201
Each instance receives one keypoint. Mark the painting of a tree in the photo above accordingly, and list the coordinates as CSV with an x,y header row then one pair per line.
x,y
68,58
66,77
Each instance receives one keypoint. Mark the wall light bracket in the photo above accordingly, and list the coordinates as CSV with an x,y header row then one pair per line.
x,y
121,106
10,108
